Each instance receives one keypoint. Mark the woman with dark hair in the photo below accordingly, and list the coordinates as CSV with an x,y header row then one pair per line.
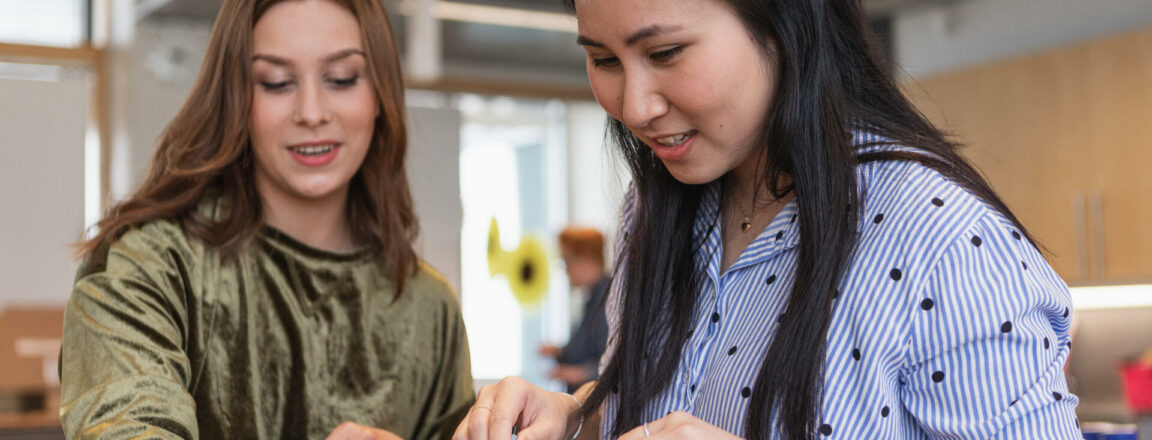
x,y
261,282
804,255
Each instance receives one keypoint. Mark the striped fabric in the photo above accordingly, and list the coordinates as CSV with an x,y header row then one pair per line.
x,y
948,324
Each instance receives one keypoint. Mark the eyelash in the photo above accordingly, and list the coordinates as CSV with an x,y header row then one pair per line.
x,y
338,83
666,55
663,56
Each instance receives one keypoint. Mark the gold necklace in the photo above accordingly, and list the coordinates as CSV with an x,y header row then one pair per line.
x,y
747,223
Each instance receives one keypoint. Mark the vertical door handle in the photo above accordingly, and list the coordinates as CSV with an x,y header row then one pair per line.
x,y
1078,207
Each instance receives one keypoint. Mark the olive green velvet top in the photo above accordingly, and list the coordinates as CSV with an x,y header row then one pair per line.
x,y
166,338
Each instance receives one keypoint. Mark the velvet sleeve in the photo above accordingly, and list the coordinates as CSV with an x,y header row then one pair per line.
x,y
124,369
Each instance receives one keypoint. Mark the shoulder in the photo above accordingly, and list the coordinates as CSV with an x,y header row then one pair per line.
x,y
153,245
912,217
907,200
430,287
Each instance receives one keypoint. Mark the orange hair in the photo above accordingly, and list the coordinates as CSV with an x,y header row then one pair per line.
x,y
583,243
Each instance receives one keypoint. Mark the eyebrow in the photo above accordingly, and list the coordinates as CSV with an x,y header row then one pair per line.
x,y
328,59
647,32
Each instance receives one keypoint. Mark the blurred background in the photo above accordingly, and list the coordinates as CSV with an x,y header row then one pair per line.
x,y
1053,97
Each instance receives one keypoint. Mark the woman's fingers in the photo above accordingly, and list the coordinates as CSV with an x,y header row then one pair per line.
x,y
676,425
354,431
512,400
475,426
536,413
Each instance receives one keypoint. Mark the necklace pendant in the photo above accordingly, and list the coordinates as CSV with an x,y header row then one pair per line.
x,y
746,224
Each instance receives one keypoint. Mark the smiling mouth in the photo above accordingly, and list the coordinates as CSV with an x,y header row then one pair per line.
x,y
676,139
314,150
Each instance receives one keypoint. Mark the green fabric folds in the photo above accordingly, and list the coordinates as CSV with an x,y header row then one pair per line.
x,y
166,338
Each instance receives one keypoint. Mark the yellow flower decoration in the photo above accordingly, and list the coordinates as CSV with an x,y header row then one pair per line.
x,y
526,267
495,252
527,271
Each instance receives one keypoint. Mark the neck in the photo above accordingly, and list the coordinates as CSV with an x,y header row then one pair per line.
x,y
744,185
321,223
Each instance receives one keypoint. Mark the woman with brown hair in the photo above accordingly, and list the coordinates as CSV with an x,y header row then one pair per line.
x,y
261,282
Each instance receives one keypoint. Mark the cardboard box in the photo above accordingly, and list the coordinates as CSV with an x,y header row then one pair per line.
x,y
30,348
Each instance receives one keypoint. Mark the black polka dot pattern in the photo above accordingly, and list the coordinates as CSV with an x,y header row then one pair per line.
x,y
1013,403
938,371
1057,396
793,219
1065,312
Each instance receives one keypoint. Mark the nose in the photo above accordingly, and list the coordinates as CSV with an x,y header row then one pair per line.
x,y
311,106
643,101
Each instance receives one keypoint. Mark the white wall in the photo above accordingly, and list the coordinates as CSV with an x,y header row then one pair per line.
x,y
434,175
165,60
42,126
596,178
936,38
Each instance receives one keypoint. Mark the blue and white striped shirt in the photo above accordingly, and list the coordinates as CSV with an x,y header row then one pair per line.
x,y
949,324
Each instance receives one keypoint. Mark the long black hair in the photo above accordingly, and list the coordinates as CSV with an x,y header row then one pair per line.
x,y
833,80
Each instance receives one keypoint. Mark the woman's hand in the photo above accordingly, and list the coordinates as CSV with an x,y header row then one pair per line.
x,y
677,425
571,375
353,431
549,350
538,414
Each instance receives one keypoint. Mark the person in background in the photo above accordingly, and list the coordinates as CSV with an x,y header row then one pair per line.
x,y
576,363
261,281
804,255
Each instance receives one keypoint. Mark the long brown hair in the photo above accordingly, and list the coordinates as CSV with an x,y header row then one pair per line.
x,y
207,147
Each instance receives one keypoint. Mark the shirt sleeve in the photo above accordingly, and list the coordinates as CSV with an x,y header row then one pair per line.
x,y
988,342
452,395
124,369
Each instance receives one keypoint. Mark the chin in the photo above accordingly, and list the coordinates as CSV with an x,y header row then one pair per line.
x,y
317,192
692,175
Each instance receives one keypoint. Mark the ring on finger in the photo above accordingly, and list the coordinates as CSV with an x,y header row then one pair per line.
x,y
481,405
